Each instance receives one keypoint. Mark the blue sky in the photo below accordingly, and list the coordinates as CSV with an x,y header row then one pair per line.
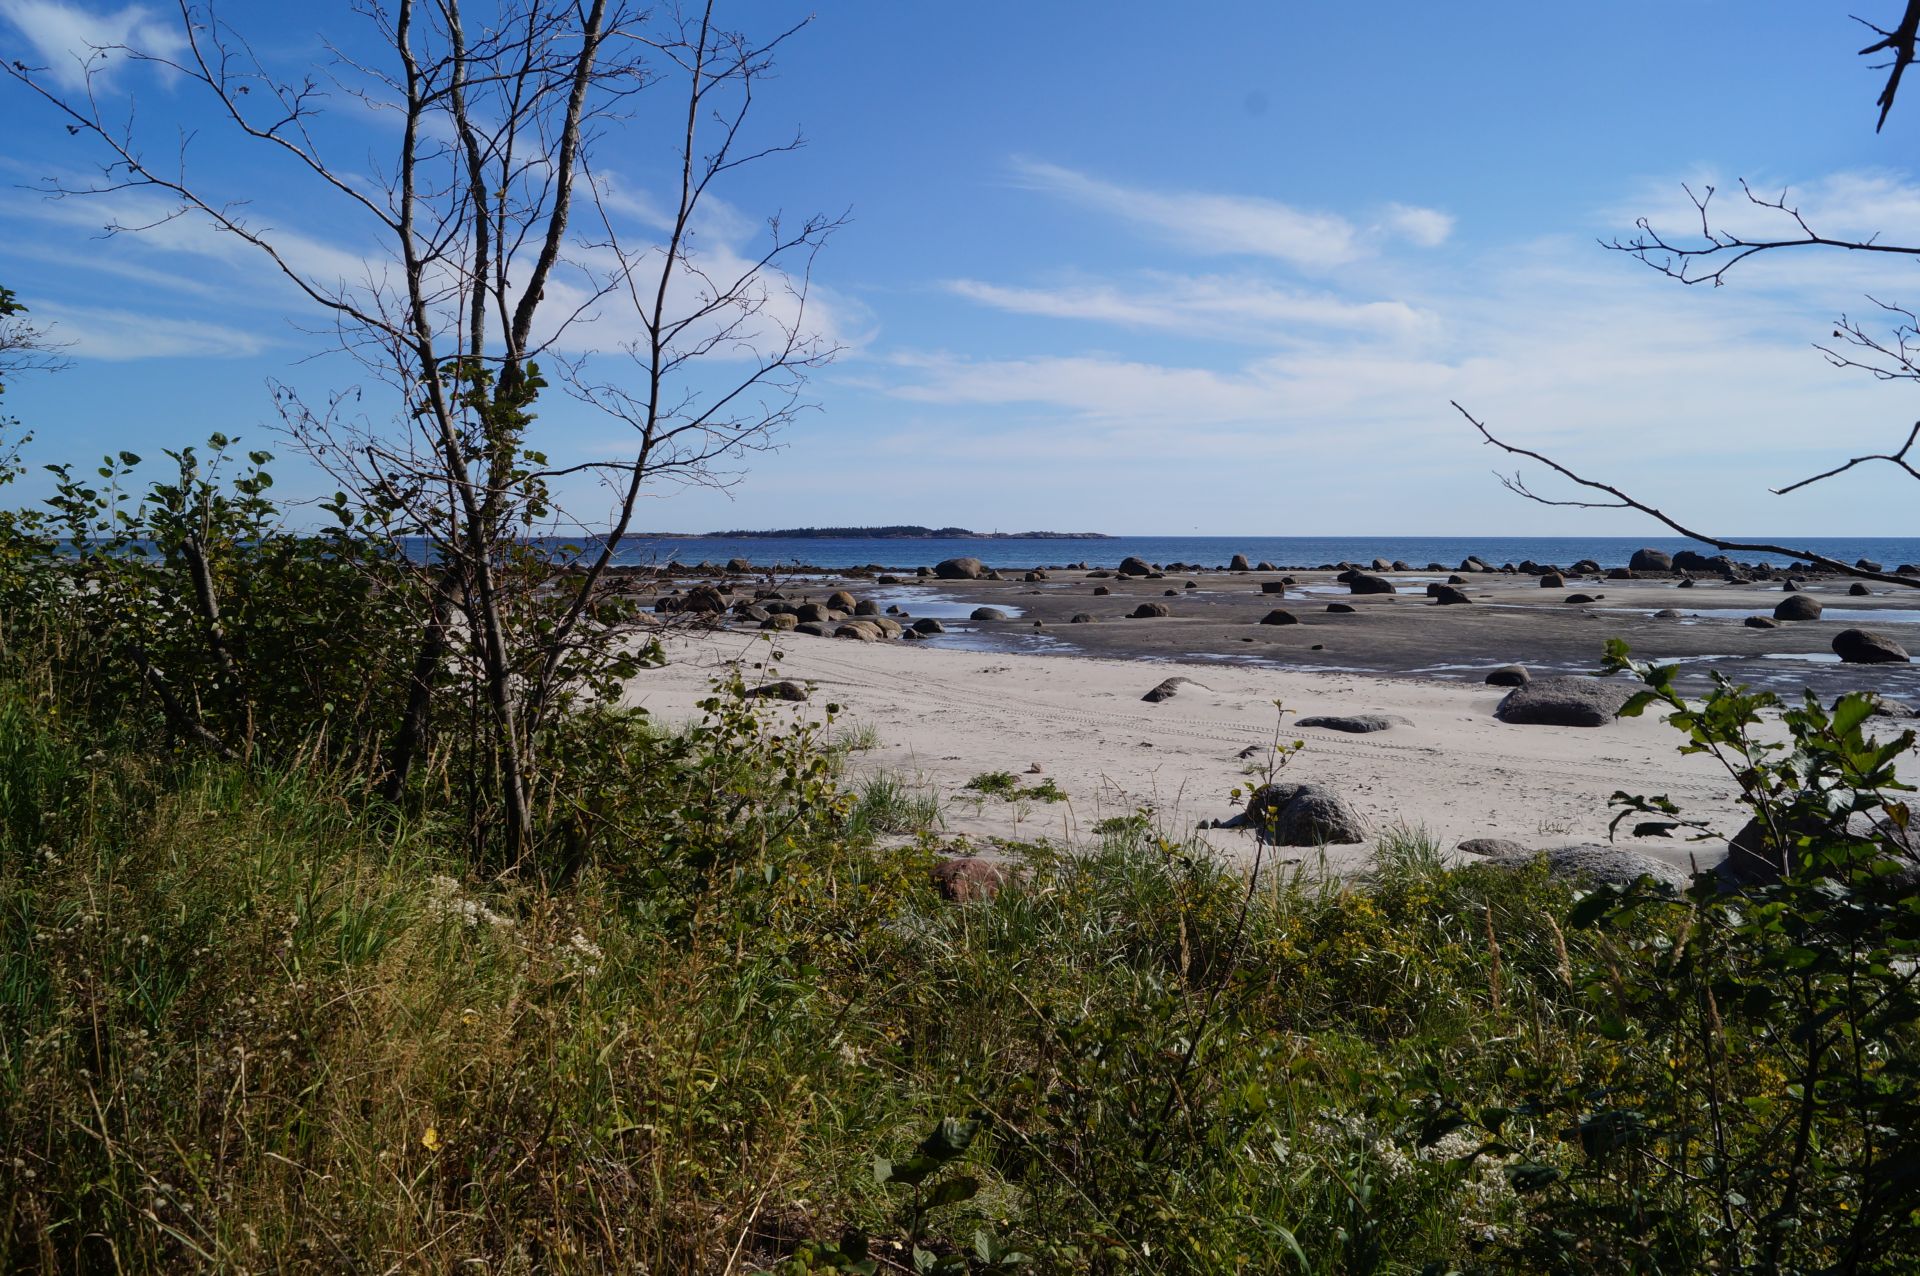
x,y
1144,269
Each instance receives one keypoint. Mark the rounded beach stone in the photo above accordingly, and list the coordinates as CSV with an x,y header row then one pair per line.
x,y
1279,616
1568,701
1147,611
1355,723
1509,676
1798,607
1362,583
960,569
1868,647
988,613
1303,815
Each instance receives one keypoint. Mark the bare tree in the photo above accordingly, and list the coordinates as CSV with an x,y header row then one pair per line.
x,y
500,254
1707,257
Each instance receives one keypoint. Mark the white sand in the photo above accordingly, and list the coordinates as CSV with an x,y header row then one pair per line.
x,y
944,716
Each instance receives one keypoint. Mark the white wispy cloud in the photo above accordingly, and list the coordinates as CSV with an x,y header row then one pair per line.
x,y
1224,307
117,335
1222,223
72,40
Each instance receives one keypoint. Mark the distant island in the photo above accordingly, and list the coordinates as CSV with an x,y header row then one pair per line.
x,y
895,533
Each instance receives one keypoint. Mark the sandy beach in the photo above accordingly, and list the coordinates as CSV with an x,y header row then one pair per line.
x,y
1040,697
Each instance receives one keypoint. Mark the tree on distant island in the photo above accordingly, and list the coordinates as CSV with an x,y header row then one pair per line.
x,y
1889,354
501,230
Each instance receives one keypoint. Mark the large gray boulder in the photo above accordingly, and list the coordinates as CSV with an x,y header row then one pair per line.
x,y
1599,862
1131,566
960,569
1493,847
1509,676
1798,607
1354,723
1279,616
1168,688
1868,647
928,625
1755,858
1650,560
988,613
1146,611
1302,815
1239,564
1362,583
1449,596
1569,701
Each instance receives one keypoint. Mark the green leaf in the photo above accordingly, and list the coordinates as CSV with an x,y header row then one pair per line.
x,y
952,1191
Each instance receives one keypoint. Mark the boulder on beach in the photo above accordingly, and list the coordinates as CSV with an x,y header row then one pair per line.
x,y
811,613
1601,863
859,631
812,628
1147,611
1168,688
1580,599
1273,586
1754,858
1132,566
781,621
1354,723
988,613
866,607
1449,596
1798,607
1689,560
960,569
1493,846
1362,583
739,566
1866,565
928,625
1650,560
1868,647
1341,609
785,689
1302,815
1101,591
967,879
1572,700
1509,676
1239,564
1081,618
1279,616
1552,580
841,600
1382,565
1858,590
1759,622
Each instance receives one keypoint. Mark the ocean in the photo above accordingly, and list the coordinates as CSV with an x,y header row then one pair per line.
x,y
1210,551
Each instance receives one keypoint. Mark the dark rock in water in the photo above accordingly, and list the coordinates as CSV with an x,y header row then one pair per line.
x,y
1666,613
1798,607
1620,573
1456,580
968,879
1402,565
1650,560
1239,564
739,566
1170,593
1361,583
928,625
1081,618
1168,689
1147,611
1609,865
1509,676
1580,598
1447,596
1867,565
1569,701
1355,723
1279,616
1586,567
1759,622
923,571
1552,580
1302,815
960,569
988,613
1868,647
1101,591
913,635
1264,566
1493,846
886,580
1192,584
1131,566
1341,609
1858,590
785,689
1907,569
1273,587
1687,583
